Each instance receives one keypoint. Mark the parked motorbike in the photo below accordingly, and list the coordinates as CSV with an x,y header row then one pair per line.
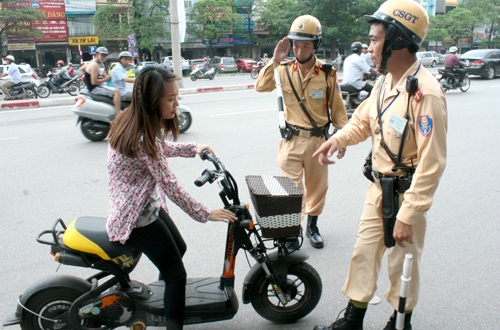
x,y
255,71
22,90
196,74
47,87
448,79
96,112
281,286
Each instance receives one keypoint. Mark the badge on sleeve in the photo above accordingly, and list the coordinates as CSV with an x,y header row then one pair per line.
x,y
338,88
425,125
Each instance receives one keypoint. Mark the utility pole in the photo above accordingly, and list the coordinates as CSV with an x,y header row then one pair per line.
x,y
176,45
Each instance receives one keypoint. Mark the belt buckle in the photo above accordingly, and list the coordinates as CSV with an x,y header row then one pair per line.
x,y
304,133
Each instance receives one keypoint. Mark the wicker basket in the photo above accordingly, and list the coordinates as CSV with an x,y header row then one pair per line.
x,y
278,205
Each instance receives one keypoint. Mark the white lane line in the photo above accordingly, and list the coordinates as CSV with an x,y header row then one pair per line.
x,y
11,138
35,109
242,112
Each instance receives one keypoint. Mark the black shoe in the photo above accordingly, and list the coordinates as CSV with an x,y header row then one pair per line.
x,y
352,320
312,232
391,325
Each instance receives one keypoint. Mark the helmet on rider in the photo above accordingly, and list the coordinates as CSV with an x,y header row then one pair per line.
x,y
124,54
365,46
265,54
356,47
10,58
453,49
306,27
60,62
102,50
406,23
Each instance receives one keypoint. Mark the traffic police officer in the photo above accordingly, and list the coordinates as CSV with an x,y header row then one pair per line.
x,y
311,83
393,114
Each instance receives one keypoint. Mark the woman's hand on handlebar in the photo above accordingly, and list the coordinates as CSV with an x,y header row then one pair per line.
x,y
202,147
222,215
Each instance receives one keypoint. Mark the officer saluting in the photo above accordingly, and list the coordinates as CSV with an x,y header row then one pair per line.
x,y
406,118
309,89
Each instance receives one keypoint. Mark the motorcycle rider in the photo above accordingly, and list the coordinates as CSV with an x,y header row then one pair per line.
x,y
204,66
63,75
95,79
452,63
119,78
366,56
14,76
317,85
355,67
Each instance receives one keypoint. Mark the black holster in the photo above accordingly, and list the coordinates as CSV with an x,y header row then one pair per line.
x,y
390,208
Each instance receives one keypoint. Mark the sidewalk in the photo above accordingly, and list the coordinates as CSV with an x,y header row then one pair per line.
x,y
70,100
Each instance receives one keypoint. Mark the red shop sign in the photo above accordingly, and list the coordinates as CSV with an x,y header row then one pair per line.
x,y
52,30
52,9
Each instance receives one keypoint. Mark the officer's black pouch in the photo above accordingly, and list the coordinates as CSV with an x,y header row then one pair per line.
x,y
367,168
390,207
286,133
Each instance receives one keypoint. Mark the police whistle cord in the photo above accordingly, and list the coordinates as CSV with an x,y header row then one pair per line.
x,y
405,279
279,92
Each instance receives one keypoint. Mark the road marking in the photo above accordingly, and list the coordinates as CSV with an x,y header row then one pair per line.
x,y
11,138
242,112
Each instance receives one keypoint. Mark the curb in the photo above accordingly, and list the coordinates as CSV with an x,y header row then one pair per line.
x,y
37,103
51,102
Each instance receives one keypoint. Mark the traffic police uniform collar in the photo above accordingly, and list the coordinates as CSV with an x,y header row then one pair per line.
x,y
401,84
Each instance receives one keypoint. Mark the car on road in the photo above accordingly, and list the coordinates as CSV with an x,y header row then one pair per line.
x,y
428,58
142,65
482,62
245,64
27,73
167,62
223,64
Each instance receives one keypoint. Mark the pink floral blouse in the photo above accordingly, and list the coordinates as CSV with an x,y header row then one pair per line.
x,y
132,182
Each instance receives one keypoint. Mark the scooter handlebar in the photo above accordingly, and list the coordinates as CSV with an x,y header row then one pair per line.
x,y
205,176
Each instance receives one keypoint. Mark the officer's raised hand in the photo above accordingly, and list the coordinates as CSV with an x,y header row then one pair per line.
x,y
282,49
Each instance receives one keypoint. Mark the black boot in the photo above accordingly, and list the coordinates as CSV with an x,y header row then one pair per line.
x,y
312,232
352,320
391,325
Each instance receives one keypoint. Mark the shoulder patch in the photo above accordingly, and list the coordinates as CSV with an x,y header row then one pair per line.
x,y
418,95
425,125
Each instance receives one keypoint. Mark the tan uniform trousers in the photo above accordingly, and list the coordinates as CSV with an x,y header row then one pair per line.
x,y
6,86
296,162
368,252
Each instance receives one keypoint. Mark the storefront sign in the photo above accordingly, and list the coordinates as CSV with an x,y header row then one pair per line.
x,y
52,30
80,7
21,46
18,34
52,9
226,41
83,41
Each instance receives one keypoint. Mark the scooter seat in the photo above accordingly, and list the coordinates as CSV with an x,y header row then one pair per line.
x,y
349,88
89,235
22,83
105,99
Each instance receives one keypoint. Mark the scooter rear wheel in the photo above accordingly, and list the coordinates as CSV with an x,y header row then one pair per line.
x,y
31,93
50,304
193,78
304,288
185,121
74,89
254,74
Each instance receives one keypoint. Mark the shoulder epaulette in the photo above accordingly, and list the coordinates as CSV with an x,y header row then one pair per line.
x,y
328,69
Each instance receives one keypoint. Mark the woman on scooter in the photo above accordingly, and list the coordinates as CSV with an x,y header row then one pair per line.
x,y
139,179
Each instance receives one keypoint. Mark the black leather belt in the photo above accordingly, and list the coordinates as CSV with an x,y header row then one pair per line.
x,y
307,132
402,182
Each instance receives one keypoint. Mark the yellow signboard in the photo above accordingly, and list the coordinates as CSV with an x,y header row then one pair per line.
x,y
84,41
21,46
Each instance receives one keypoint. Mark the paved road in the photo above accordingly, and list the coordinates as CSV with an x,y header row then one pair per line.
x,y
48,170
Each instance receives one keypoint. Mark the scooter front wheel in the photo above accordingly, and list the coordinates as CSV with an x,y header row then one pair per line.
x,y
303,288
193,77
43,91
254,74
93,131
465,84
73,89
185,121
50,304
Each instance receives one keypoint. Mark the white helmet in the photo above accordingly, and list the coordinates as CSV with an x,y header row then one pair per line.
x,y
10,57
453,49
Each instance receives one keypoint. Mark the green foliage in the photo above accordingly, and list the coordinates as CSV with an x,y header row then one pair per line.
x,y
146,18
13,19
212,19
277,16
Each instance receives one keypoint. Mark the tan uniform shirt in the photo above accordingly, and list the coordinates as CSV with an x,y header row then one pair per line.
x,y
312,87
425,144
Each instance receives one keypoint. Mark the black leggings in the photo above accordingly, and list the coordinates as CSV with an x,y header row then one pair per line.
x,y
165,247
